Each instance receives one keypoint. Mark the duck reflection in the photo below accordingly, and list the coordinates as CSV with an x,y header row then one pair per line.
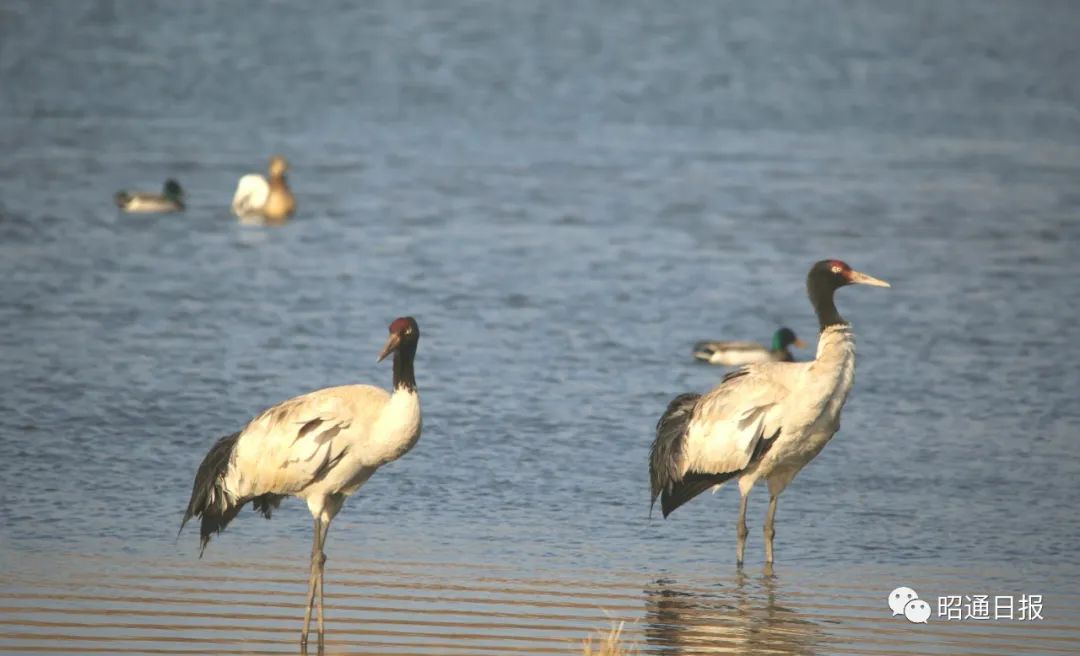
x,y
742,616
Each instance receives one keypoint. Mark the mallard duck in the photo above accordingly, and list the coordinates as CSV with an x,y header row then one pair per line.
x,y
734,354
259,198
171,199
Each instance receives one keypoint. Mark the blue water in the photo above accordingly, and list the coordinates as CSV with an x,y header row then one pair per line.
x,y
566,196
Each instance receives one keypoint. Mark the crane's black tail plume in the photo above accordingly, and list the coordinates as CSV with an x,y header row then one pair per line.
x,y
209,499
667,449
691,485
673,487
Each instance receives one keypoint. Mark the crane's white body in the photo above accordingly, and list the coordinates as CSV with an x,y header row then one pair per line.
x,y
797,402
251,195
358,428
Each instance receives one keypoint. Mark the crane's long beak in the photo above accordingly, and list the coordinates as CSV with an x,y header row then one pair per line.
x,y
859,278
391,345
799,343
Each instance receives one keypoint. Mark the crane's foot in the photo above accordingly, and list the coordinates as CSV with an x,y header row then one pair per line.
x,y
320,646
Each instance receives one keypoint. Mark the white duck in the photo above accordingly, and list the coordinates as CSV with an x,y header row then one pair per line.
x,y
266,200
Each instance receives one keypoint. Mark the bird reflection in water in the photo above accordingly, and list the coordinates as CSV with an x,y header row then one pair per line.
x,y
743,616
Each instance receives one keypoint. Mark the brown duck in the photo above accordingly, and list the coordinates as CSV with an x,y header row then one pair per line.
x,y
267,200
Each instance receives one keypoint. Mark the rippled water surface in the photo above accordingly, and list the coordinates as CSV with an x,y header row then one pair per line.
x,y
566,196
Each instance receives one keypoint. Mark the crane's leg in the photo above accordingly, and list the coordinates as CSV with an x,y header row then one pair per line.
x,y
313,579
322,566
740,531
770,532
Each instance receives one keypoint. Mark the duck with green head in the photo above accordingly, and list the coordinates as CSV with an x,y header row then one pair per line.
x,y
171,199
735,354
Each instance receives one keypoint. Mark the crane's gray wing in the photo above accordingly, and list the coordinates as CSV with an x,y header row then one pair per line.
x,y
280,452
703,441
735,423
290,446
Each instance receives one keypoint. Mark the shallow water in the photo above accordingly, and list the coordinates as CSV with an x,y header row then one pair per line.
x,y
566,197
113,605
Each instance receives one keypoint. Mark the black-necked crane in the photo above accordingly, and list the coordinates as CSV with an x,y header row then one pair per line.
x,y
320,447
764,421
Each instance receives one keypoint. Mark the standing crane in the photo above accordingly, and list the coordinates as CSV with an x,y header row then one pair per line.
x,y
766,420
320,447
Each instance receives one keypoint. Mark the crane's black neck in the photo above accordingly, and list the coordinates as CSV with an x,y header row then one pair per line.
x,y
404,378
821,287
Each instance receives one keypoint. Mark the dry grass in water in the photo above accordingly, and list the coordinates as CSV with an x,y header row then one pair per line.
x,y
608,645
